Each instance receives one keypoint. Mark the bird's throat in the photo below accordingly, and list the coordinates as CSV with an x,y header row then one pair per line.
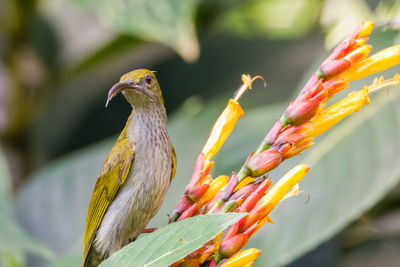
x,y
146,123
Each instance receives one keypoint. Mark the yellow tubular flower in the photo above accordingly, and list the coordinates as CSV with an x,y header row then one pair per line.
x,y
227,120
207,180
366,29
358,54
332,115
261,223
244,182
222,128
380,61
279,190
214,188
242,258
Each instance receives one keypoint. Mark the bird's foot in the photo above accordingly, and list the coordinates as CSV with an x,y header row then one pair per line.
x,y
149,230
144,231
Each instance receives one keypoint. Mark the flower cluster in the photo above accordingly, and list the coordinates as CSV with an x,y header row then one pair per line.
x,y
304,119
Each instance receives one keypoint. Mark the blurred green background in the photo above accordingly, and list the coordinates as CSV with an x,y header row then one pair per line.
x,y
60,57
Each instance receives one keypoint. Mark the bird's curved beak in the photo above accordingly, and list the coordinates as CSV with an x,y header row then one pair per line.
x,y
121,86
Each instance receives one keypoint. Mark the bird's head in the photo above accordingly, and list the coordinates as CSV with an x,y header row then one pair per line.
x,y
140,87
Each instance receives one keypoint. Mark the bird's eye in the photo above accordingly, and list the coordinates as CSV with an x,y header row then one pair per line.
x,y
148,79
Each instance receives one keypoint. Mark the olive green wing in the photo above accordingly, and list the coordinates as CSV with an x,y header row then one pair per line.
x,y
112,176
173,166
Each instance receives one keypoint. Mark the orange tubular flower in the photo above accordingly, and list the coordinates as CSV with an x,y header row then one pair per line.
x,y
242,258
359,54
265,205
364,30
222,128
244,182
214,188
227,120
278,191
332,115
380,61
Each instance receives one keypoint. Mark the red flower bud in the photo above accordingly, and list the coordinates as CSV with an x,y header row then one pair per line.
x,y
233,230
285,148
273,133
264,162
250,231
341,50
243,173
212,263
312,92
232,245
334,67
300,112
228,188
189,212
197,172
298,147
311,83
291,135
183,205
244,192
196,193
251,201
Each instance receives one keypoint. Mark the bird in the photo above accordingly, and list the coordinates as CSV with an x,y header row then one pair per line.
x,y
136,174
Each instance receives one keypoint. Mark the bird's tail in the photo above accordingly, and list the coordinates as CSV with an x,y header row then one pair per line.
x,y
92,259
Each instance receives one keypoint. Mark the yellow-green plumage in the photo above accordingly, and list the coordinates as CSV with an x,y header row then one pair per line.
x,y
136,174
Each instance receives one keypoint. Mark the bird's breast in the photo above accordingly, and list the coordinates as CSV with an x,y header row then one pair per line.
x,y
143,192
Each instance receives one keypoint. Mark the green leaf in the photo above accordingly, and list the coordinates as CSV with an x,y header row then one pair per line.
x,y
72,259
53,203
170,22
14,240
274,18
12,259
117,46
172,242
5,183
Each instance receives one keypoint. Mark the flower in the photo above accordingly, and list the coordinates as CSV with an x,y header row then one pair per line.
x,y
305,118
243,258
380,61
222,128
332,115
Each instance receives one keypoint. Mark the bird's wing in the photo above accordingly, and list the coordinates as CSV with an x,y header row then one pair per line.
x,y
173,166
112,175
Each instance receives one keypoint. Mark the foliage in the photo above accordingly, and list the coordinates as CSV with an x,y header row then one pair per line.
x,y
172,242
324,183
48,95
14,241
